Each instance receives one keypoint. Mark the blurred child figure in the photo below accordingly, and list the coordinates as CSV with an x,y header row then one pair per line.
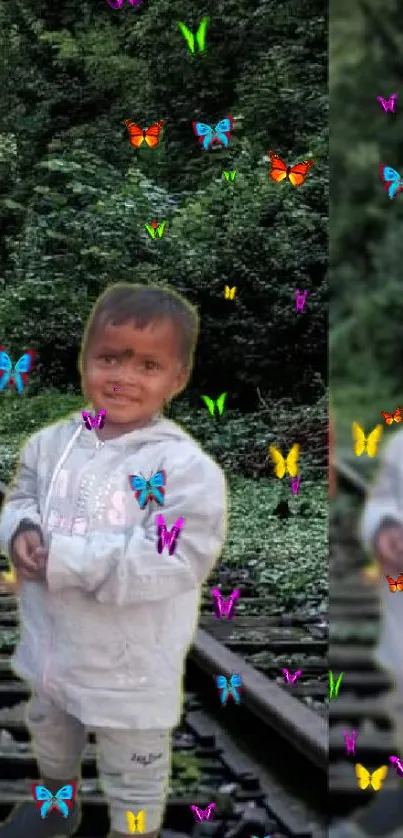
x,y
106,617
382,535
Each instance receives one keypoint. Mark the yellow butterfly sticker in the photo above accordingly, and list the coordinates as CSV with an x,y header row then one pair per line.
x,y
136,822
366,443
365,779
229,293
281,465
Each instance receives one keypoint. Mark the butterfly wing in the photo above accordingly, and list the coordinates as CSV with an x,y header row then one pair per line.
x,y
387,417
279,462
236,683
278,171
161,229
230,605
393,182
210,403
150,230
209,811
43,798
6,366
222,684
100,419
201,33
88,420
222,131
152,134
373,440
198,813
382,102
233,175
398,415
219,602
226,175
378,777
359,439
64,798
23,366
136,134
299,172
157,485
221,402
363,776
292,460
140,488
286,675
188,35
204,132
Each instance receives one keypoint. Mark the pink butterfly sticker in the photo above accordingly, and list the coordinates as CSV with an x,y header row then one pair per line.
x,y
168,538
94,422
224,607
290,678
203,814
388,104
295,481
350,741
398,765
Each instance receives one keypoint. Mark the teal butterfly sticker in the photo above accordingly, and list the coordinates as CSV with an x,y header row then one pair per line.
x,y
219,403
334,686
155,229
200,35
230,175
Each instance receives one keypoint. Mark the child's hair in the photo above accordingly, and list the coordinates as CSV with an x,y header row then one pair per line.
x,y
144,304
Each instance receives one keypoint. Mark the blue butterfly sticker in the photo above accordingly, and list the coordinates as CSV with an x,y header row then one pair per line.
x,y
46,801
16,375
393,181
229,687
208,136
149,490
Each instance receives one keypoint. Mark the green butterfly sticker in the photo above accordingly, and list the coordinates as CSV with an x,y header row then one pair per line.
x,y
334,686
211,404
200,35
155,229
230,175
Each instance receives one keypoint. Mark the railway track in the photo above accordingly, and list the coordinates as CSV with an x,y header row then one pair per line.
x,y
264,762
354,618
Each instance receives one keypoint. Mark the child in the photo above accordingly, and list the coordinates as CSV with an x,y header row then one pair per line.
x,y
382,534
106,620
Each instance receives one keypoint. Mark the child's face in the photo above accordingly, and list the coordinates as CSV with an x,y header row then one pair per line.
x,y
130,372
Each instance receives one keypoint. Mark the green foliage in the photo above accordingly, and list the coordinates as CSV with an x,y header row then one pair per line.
x,y
77,195
366,245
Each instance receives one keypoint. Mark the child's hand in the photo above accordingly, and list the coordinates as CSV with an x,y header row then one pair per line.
x,y
389,548
26,555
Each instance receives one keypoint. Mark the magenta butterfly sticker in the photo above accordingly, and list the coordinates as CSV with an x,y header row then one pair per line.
x,y
388,104
300,299
224,607
203,814
168,538
398,765
291,678
116,4
350,741
295,481
94,421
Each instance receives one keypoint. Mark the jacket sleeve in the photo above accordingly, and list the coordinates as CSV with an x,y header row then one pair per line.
x,y
121,569
21,502
386,496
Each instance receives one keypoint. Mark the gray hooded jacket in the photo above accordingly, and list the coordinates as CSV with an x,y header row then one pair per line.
x,y
107,635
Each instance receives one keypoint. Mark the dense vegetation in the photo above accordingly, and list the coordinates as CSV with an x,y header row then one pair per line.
x,y
76,195
366,246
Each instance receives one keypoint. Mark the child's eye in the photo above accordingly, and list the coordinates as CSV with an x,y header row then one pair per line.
x,y
109,359
151,365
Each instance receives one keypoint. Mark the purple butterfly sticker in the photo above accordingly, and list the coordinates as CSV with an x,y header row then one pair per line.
x,y
300,299
388,104
350,741
398,765
290,678
203,814
168,538
224,607
295,481
96,421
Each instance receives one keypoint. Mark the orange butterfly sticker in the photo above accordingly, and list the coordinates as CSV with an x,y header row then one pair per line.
x,y
389,418
150,136
395,584
296,174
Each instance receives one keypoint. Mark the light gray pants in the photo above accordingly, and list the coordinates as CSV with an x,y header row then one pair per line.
x,y
134,765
